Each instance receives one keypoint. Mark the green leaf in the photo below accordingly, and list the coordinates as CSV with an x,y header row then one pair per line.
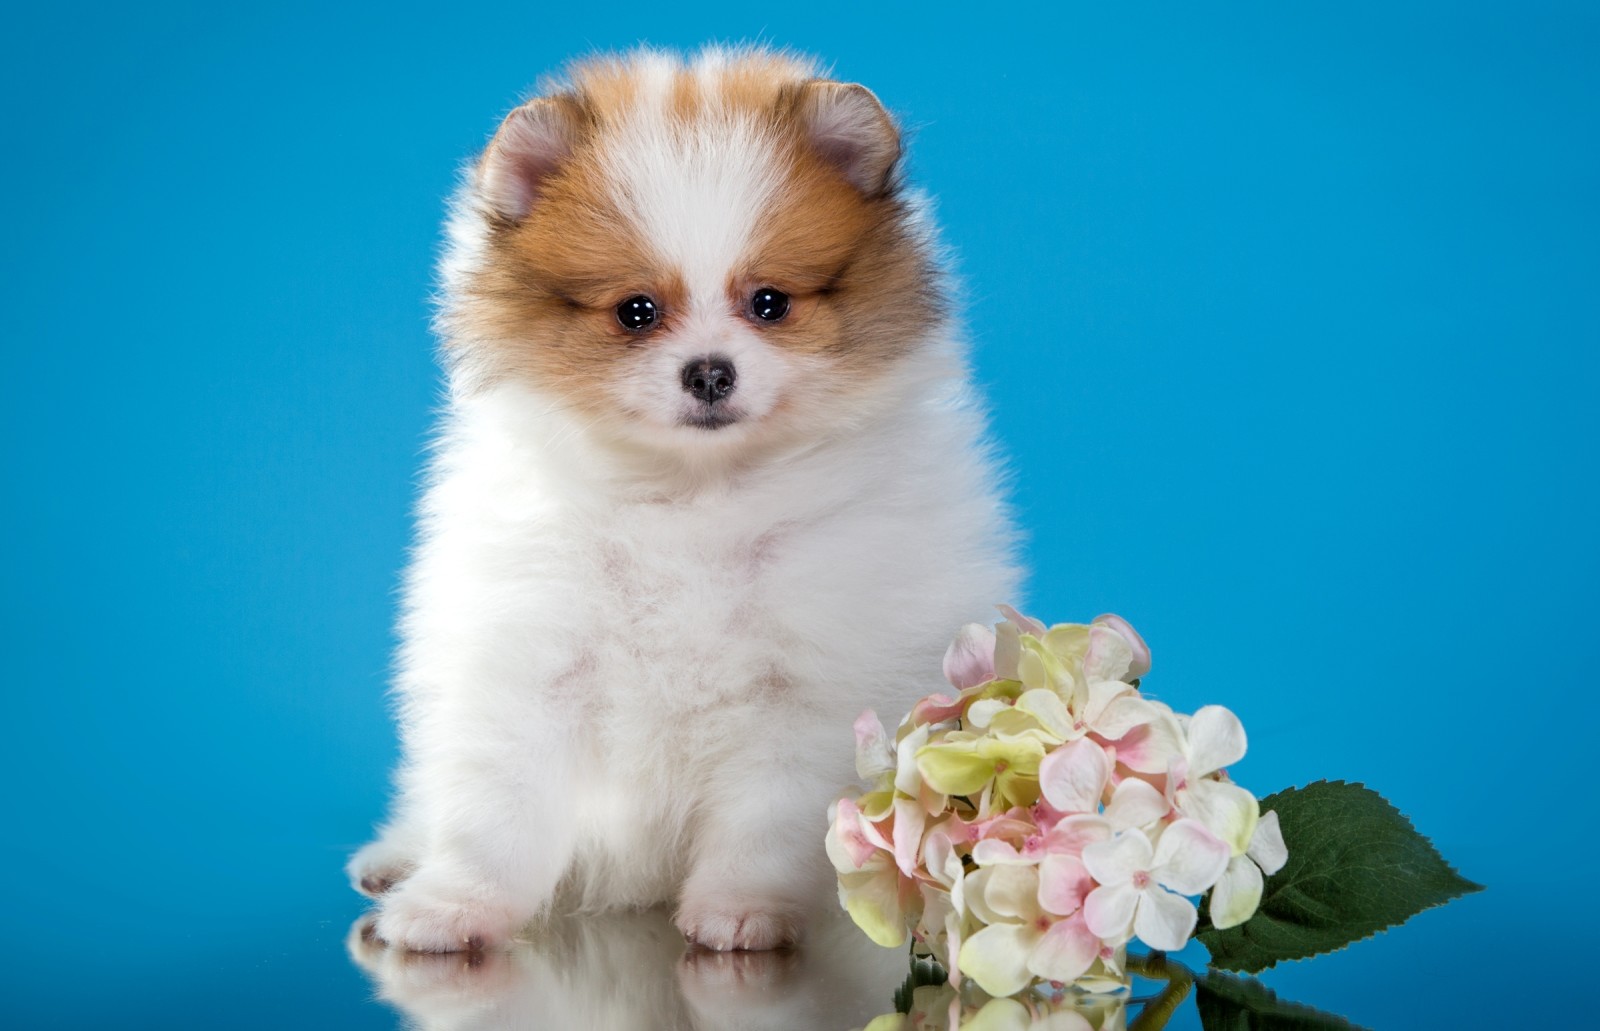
x,y
1229,1003
1356,866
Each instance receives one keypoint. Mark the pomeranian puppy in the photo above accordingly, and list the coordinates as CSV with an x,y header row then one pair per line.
x,y
711,480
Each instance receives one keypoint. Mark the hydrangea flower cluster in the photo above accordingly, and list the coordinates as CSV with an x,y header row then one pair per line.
x,y
1031,825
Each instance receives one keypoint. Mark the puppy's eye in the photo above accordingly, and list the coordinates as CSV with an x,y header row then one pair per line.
x,y
636,313
769,305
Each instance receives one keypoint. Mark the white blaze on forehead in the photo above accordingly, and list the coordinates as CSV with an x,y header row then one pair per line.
x,y
696,188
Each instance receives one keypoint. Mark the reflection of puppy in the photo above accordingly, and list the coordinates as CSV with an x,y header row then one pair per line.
x,y
624,971
709,483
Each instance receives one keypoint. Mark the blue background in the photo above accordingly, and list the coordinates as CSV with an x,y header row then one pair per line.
x,y
1288,319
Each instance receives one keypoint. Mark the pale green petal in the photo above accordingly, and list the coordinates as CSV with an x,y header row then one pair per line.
x,y
1068,641
1012,892
997,957
873,902
955,768
875,805
1039,669
1237,894
1228,811
1047,708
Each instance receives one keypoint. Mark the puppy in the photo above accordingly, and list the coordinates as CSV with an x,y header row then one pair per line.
x,y
711,480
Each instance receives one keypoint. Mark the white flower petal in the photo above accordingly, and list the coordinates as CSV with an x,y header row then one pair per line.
x,y
1237,894
1007,650
909,821
907,778
973,893
1109,909
1189,858
1216,740
994,852
1266,844
1117,860
997,957
874,757
1073,777
1136,803
1228,811
1164,920
1121,714
1141,651
1109,654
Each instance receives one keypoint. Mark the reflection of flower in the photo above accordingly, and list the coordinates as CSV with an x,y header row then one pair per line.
x,y
941,1008
1029,825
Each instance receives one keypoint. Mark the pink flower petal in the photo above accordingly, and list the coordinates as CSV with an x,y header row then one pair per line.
x,y
1064,883
1141,651
1071,836
1073,777
1065,952
969,661
1026,624
1149,747
851,834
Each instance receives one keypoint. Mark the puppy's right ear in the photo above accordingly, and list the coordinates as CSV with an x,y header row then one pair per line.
x,y
532,143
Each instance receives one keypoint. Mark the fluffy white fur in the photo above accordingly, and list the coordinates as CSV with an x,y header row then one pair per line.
x,y
632,650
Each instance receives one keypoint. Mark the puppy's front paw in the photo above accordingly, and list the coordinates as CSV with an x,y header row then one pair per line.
x,y
378,867
439,913
723,924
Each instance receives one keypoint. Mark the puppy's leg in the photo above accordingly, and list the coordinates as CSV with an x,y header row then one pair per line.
x,y
488,787
759,865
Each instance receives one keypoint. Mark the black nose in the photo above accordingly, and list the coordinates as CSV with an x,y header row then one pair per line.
x,y
709,379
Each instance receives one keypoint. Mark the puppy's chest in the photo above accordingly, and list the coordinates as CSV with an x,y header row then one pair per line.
x,y
695,610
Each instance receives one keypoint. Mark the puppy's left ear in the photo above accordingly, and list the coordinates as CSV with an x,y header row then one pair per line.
x,y
850,130
532,144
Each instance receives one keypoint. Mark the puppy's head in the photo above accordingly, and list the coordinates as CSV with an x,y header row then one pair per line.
x,y
695,255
